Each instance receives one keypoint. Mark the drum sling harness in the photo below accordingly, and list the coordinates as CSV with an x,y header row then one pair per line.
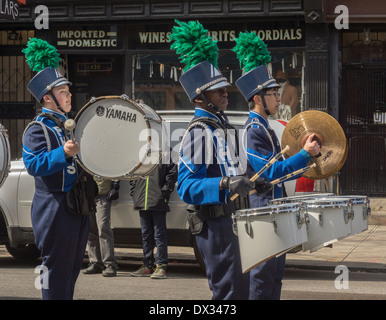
x,y
80,200
197,214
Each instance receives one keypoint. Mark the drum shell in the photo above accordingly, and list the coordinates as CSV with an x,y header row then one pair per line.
x,y
116,147
266,232
330,220
361,211
5,155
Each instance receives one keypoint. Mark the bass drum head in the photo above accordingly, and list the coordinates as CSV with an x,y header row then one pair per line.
x,y
5,154
113,136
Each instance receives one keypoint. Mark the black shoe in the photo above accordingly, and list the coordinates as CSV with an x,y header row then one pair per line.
x,y
92,268
110,270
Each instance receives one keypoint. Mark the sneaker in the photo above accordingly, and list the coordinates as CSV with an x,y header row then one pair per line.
x,y
93,268
143,271
159,273
110,270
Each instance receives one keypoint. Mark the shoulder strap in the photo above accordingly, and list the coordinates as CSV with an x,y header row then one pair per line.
x,y
53,117
45,131
257,122
204,123
58,121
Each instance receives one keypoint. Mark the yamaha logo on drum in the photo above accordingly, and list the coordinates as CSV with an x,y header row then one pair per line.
x,y
116,114
100,110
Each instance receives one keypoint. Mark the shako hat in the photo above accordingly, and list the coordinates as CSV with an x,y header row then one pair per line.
x,y
44,59
199,53
253,56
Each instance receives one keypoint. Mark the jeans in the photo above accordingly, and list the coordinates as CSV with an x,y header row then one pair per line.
x,y
153,229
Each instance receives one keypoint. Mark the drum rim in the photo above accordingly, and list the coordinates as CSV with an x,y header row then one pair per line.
x,y
328,202
4,171
270,210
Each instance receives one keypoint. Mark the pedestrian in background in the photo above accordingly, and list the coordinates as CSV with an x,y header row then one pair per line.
x,y
151,197
100,242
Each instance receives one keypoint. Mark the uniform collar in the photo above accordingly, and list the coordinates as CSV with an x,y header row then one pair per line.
x,y
254,114
200,112
60,115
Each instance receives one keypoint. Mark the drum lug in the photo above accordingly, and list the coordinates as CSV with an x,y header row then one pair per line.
x,y
248,228
299,220
366,212
320,218
347,214
234,225
306,219
124,97
92,100
274,222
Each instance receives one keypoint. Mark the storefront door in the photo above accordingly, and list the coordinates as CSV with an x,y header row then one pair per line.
x,y
365,127
94,76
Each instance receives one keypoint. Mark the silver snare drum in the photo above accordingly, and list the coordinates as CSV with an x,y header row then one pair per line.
x,y
269,231
5,154
118,138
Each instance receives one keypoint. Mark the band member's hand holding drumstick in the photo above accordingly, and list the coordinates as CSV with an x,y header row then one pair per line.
x,y
71,147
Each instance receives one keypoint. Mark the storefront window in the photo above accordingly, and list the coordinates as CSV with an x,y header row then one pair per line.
x,y
155,81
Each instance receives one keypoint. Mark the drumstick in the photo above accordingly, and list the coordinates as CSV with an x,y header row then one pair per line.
x,y
70,126
261,171
290,175
295,173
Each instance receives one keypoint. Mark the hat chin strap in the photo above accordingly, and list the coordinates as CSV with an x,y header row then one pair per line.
x,y
56,101
210,104
264,103
215,108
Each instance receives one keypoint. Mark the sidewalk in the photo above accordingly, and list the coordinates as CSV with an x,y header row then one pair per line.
x,y
365,251
361,252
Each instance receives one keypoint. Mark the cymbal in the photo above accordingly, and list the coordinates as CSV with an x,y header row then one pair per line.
x,y
329,135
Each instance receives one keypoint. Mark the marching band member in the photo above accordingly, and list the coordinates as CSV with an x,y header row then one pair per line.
x,y
260,90
49,158
205,181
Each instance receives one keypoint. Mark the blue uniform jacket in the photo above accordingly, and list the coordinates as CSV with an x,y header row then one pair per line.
x,y
202,166
44,157
261,145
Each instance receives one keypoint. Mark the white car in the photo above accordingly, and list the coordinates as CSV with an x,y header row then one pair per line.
x,y
17,192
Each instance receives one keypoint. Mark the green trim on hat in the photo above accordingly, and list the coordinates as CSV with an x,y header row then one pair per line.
x,y
193,44
251,51
40,55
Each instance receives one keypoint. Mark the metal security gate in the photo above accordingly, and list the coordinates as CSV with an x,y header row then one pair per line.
x,y
363,118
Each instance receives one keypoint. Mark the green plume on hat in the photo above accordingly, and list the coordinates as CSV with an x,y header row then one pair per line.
x,y
193,44
40,54
251,51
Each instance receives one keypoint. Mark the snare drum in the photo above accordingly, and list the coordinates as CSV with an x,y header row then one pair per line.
x,y
118,138
329,221
5,154
269,231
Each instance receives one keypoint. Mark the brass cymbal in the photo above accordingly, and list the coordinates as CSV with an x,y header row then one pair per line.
x,y
329,135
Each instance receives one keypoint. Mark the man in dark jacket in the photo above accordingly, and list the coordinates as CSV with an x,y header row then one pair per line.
x,y
151,198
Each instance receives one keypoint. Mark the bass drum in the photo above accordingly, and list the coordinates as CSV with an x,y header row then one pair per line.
x,y
118,138
5,155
